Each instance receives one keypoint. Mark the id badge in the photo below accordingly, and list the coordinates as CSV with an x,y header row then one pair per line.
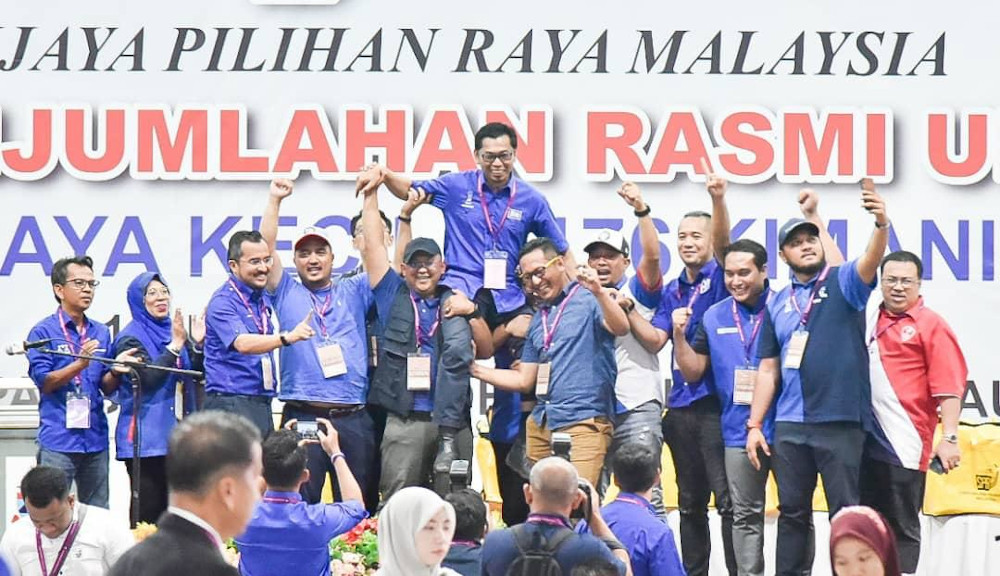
x,y
268,374
373,352
418,372
495,270
179,401
77,412
331,359
542,380
796,349
743,383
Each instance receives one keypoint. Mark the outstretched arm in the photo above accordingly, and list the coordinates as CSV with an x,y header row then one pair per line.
x,y
376,174
373,251
716,186
875,205
649,265
809,204
281,188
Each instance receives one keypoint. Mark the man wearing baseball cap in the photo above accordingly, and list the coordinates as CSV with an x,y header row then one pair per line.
x,y
425,334
325,376
813,344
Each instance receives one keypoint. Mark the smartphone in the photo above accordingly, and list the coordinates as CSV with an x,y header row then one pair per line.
x,y
937,466
307,430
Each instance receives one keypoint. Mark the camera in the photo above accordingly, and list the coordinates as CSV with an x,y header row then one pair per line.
x,y
562,443
460,475
583,510
307,430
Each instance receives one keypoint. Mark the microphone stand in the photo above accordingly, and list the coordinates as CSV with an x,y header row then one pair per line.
x,y
136,406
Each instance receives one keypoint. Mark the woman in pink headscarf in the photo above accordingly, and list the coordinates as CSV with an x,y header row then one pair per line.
x,y
862,544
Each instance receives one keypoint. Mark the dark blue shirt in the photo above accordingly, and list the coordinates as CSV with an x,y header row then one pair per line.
x,y
226,370
385,295
466,558
500,549
832,384
650,542
288,536
339,318
505,423
467,237
53,434
582,354
710,287
719,338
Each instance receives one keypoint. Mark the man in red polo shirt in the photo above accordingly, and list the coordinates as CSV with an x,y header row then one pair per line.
x,y
916,367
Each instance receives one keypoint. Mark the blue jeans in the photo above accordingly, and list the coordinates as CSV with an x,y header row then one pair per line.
x,y
88,469
256,409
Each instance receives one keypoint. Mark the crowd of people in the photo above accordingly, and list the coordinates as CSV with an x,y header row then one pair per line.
x,y
374,371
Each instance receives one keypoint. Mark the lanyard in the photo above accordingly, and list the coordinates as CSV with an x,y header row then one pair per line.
x,y
756,320
279,500
632,501
804,314
550,333
547,520
321,312
262,323
82,333
878,333
495,233
696,290
421,337
74,528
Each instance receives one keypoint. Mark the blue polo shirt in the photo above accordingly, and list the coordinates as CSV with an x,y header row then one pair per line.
x,y
385,296
226,370
652,550
289,536
718,337
52,433
582,354
339,317
467,237
710,287
500,548
832,384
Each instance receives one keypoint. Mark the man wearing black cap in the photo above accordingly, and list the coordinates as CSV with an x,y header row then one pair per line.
x,y
425,335
812,342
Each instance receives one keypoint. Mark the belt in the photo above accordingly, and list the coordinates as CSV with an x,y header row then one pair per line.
x,y
331,411
418,415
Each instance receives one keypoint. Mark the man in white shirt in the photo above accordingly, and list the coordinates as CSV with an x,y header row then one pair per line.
x,y
63,535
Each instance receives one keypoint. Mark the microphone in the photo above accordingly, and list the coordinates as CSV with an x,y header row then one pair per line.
x,y
22,347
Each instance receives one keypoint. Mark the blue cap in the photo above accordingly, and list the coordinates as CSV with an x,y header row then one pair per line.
x,y
791,226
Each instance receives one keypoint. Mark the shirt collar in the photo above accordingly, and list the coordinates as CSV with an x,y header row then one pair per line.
x,y
247,291
620,283
561,296
761,301
626,496
912,311
197,521
69,319
707,270
295,496
810,281
505,190
540,518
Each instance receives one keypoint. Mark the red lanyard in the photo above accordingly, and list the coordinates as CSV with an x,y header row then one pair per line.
x,y
804,314
758,320
262,323
495,233
421,337
82,333
550,333
321,312
878,333
632,501
74,528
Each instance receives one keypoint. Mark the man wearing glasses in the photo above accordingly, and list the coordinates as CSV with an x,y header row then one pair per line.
x,y
488,214
240,336
73,430
916,367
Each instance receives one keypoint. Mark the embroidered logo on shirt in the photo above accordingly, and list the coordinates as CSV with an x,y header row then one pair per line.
x,y
907,333
514,214
705,285
468,201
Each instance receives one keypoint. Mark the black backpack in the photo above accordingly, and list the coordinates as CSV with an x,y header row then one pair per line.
x,y
537,554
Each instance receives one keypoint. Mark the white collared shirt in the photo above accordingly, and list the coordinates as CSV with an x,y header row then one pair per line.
x,y
197,521
98,545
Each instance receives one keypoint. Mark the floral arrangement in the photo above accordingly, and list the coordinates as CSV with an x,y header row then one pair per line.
x,y
356,552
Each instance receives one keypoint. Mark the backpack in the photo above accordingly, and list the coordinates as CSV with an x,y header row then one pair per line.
x,y
537,555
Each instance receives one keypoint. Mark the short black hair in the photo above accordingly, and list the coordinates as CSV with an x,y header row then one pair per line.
x,y
496,130
60,270
238,238
595,566
357,219
470,514
903,256
284,459
43,484
546,245
635,467
750,247
206,444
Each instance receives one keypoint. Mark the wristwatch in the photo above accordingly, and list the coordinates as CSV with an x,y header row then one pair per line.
x,y
629,306
476,312
950,438
284,340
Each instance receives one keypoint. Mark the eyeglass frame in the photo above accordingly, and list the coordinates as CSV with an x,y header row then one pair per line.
x,y
491,157
905,283
267,261
80,283
526,277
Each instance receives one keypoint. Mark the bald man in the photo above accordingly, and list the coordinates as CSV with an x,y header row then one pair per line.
x,y
553,493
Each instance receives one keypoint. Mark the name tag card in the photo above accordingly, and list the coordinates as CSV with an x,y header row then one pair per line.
x,y
331,359
418,372
542,380
179,401
743,383
495,270
266,372
77,412
796,349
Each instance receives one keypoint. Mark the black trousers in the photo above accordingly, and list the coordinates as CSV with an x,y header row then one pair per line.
x,y
897,493
152,487
515,509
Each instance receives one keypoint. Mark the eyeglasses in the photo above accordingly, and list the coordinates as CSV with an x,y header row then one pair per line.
x,y
80,283
537,273
157,292
422,263
257,262
891,281
490,157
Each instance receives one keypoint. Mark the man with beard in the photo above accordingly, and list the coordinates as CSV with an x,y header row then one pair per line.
x,y
425,335
568,359
327,376
240,336
812,343
639,385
